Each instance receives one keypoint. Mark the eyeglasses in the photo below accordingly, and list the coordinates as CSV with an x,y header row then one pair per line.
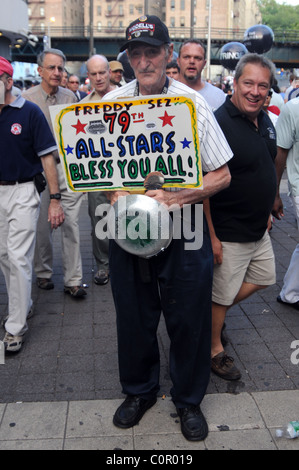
x,y
73,82
51,68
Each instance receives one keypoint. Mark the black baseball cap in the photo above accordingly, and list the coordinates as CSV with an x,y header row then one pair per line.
x,y
147,29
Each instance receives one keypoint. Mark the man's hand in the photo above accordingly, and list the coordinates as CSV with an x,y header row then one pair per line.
x,y
167,198
217,250
277,209
113,196
55,213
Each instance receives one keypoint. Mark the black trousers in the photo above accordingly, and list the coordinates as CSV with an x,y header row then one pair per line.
x,y
181,288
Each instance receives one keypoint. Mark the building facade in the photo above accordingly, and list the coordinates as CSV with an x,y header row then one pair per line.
x,y
219,19
56,16
111,17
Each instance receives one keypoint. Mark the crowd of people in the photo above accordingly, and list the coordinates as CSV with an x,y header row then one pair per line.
x,y
240,134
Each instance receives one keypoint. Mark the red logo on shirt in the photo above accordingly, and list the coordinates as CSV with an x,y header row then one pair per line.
x,y
16,129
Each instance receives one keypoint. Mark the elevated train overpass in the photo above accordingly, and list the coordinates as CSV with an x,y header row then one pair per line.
x,y
76,43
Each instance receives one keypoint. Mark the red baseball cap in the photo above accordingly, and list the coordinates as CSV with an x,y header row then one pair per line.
x,y
5,67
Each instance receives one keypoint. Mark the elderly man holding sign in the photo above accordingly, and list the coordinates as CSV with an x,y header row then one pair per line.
x,y
180,280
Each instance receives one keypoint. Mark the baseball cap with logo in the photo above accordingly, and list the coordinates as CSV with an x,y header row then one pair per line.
x,y
147,29
5,67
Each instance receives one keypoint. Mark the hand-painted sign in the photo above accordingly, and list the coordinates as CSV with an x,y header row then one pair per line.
x,y
113,145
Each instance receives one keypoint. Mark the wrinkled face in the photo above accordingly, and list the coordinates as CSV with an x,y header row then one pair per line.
x,y
51,71
149,65
251,90
99,75
191,61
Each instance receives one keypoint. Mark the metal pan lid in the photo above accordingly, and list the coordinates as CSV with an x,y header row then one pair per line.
x,y
140,225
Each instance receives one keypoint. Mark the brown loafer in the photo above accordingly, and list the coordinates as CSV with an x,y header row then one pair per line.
x,y
75,291
223,366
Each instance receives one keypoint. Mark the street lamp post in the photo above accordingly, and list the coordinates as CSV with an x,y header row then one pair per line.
x,y
208,67
192,19
47,39
91,38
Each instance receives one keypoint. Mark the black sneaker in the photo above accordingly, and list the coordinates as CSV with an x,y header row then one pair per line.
x,y
45,284
295,305
101,278
77,292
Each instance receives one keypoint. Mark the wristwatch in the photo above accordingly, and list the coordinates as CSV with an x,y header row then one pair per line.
x,y
55,196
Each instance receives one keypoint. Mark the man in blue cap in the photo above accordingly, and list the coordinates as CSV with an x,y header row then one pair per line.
x,y
181,280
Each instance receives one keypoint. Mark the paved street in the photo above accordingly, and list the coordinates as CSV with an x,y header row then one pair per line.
x,y
61,391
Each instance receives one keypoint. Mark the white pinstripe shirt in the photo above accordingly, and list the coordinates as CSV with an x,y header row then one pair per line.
x,y
214,149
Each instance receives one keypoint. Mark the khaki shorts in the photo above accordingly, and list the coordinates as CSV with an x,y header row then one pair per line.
x,y
243,262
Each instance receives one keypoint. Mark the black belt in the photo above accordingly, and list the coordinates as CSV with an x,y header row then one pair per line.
x,y
12,183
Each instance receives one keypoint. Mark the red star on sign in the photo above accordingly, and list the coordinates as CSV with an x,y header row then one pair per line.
x,y
79,127
166,119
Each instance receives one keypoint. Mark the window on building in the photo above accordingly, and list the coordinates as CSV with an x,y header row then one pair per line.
x,y
183,5
182,21
172,22
99,26
172,5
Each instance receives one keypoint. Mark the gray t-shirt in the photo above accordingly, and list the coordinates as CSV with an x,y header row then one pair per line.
x,y
213,95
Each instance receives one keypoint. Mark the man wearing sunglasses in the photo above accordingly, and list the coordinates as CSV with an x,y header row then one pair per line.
x,y
73,85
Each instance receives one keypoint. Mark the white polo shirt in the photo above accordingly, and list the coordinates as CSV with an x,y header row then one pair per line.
x,y
287,129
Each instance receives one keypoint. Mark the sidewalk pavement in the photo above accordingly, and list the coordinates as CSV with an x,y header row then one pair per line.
x,y
61,390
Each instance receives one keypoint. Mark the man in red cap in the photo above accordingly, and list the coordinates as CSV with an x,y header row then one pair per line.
x,y
26,138
5,67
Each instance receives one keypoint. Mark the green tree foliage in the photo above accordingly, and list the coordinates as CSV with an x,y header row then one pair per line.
x,y
279,17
